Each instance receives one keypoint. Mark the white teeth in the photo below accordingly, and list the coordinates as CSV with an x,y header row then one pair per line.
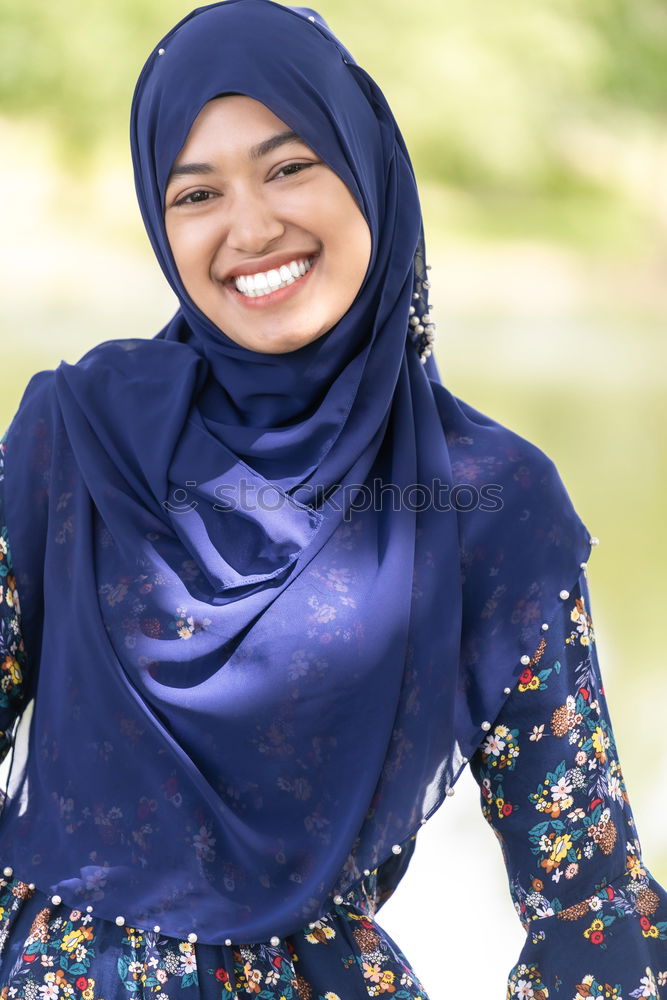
x,y
265,282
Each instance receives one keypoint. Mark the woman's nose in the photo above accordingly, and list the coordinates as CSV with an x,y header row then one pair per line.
x,y
253,225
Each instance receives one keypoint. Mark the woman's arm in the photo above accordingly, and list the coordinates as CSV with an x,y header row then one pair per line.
x,y
12,650
553,791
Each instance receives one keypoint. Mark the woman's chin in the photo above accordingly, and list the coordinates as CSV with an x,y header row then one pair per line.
x,y
278,343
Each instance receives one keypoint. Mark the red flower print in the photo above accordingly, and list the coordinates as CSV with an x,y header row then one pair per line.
x,y
597,937
82,983
507,809
584,693
221,974
645,923
526,676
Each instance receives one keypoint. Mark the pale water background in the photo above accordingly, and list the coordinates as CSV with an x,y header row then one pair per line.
x,y
542,159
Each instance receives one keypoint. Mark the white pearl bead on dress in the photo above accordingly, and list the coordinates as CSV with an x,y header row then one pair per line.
x,y
338,900
120,920
545,627
594,540
56,900
450,791
275,941
367,872
525,659
228,942
8,872
396,849
192,938
89,909
506,690
564,594
157,928
486,726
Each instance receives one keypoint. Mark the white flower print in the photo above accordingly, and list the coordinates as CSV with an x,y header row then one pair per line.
x,y
561,790
203,842
494,745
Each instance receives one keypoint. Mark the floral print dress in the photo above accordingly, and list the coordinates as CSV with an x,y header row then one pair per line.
x,y
552,789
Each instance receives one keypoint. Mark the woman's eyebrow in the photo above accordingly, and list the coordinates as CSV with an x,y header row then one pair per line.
x,y
255,152
262,148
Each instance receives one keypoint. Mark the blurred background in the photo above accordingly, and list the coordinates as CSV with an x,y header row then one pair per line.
x,y
538,134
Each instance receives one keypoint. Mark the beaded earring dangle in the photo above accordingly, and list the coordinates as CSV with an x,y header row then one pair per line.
x,y
421,326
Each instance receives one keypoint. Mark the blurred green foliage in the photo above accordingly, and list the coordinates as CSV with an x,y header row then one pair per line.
x,y
502,100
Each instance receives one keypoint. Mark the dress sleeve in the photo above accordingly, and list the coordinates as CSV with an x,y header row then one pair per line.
x,y
12,650
552,789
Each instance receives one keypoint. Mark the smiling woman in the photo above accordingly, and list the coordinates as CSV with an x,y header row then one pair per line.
x,y
234,719
267,239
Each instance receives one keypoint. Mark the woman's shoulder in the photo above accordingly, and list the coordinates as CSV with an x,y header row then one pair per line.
x,y
477,441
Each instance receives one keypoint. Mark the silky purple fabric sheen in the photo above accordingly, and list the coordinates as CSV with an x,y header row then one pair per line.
x,y
239,708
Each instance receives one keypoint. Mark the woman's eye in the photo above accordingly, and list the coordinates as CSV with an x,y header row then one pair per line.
x,y
292,168
195,198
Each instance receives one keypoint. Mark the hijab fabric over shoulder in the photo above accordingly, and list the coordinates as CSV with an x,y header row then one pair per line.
x,y
240,709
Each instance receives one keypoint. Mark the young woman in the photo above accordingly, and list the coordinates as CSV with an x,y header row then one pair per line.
x,y
278,587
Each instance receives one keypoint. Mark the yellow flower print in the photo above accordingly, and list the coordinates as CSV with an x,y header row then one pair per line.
x,y
387,982
582,620
73,939
600,743
320,933
559,849
10,594
534,683
597,925
14,671
634,866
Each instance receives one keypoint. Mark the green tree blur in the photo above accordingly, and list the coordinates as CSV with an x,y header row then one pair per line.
x,y
521,105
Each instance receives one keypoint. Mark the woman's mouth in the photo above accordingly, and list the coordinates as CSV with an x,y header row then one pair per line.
x,y
267,287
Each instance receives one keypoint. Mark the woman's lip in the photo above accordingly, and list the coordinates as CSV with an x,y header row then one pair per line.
x,y
273,298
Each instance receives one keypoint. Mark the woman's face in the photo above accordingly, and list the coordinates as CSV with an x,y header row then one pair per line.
x,y
268,241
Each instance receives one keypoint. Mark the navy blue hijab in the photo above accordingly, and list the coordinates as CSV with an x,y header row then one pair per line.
x,y
241,710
